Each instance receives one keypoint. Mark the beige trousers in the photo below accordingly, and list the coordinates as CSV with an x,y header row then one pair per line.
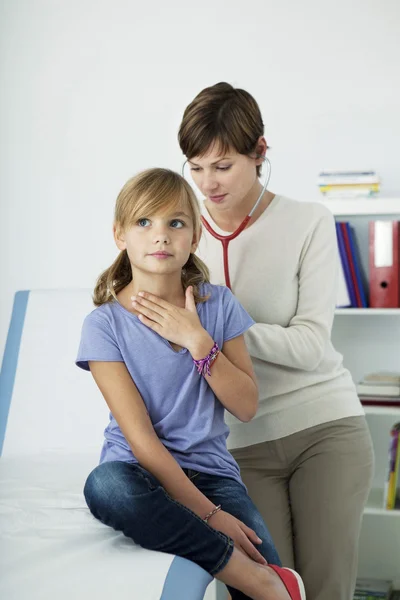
x,y
311,488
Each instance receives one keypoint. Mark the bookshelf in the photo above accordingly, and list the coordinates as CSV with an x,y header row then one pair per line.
x,y
364,206
367,311
369,340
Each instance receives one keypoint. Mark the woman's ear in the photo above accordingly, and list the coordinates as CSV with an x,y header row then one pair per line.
x,y
261,150
119,238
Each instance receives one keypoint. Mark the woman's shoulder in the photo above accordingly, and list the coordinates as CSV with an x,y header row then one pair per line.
x,y
301,218
303,208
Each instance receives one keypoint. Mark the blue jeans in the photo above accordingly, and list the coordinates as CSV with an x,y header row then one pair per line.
x,y
130,499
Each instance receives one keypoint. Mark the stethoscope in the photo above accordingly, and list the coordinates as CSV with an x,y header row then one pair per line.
x,y
225,239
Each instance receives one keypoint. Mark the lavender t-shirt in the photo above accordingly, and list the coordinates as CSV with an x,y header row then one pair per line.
x,y
185,413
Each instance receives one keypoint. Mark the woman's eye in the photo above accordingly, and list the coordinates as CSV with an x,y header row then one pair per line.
x,y
194,168
177,224
224,168
143,222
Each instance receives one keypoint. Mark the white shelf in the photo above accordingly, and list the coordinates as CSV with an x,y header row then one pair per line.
x,y
382,410
367,311
363,206
375,503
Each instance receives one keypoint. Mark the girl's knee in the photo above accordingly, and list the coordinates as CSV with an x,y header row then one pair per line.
x,y
117,486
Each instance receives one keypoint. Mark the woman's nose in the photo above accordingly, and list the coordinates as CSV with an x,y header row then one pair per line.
x,y
210,183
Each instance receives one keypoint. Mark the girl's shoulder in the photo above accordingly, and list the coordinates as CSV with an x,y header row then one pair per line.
x,y
102,314
217,294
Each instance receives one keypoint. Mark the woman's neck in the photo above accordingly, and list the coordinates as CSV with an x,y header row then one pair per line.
x,y
231,218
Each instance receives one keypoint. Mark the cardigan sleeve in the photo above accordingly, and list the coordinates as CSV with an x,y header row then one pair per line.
x,y
301,344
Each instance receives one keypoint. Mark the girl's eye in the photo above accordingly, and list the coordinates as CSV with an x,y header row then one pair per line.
x,y
143,222
177,224
195,168
224,168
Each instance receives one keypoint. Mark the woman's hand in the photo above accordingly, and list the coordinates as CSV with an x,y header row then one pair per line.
x,y
244,538
180,326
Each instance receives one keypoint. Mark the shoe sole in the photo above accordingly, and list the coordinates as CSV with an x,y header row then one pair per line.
x,y
300,583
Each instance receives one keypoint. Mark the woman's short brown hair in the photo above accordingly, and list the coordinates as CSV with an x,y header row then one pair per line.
x,y
222,115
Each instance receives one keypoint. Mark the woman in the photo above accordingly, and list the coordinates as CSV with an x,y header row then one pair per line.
x,y
307,457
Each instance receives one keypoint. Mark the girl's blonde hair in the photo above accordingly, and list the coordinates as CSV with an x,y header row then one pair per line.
x,y
142,196
224,115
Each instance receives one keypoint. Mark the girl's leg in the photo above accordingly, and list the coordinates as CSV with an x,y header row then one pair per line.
x,y
233,498
126,497
129,499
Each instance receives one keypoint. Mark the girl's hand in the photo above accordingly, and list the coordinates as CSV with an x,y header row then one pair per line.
x,y
244,538
180,326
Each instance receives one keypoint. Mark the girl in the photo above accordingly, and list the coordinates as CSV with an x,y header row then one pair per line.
x,y
166,349
306,458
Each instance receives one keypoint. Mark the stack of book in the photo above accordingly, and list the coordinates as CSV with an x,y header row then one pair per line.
x,y
381,388
371,589
351,288
348,184
391,495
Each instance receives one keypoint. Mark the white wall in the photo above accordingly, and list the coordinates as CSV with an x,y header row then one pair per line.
x,y
92,91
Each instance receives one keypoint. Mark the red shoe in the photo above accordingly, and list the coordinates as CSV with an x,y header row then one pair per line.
x,y
292,582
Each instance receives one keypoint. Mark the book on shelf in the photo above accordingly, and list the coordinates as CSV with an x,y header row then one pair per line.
x,y
378,389
382,377
371,589
384,264
350,270
381,383
391,492
348,184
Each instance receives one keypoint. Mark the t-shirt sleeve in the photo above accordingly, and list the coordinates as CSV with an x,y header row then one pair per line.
x,y
236,320
97,343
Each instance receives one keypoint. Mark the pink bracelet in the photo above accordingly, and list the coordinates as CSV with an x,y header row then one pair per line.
x,y
212,513
203,365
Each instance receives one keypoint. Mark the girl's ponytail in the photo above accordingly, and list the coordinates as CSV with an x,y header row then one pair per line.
x,y
113,280
194,273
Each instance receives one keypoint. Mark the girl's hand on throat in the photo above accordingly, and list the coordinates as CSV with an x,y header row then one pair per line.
x,y
179,326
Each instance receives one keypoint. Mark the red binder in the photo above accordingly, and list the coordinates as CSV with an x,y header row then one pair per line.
x,y
384,272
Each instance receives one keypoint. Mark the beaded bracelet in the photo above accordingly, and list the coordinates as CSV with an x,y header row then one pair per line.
x,y
203,365
212,513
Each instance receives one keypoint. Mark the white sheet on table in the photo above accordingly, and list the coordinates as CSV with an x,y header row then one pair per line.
x,y
52,548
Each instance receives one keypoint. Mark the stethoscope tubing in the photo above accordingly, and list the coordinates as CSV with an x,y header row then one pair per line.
x,y
225,239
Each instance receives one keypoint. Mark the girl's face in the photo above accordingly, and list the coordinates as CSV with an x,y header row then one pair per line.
x,y
160,243
224,179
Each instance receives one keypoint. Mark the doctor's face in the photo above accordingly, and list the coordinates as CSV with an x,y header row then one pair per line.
x,y
225,179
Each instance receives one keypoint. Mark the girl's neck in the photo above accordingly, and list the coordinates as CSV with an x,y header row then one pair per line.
x,y
169,288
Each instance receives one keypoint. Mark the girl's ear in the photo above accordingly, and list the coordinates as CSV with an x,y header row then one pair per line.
x,y
119,238
195,243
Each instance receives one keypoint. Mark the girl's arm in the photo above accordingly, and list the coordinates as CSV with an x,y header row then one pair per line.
x,y
301,345
129,410
232,376
232,379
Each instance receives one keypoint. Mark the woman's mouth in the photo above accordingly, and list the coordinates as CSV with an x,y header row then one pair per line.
x,y
217,199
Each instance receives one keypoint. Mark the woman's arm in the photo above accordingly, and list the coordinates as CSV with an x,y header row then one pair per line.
x,y
129,410
232,377
301,345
